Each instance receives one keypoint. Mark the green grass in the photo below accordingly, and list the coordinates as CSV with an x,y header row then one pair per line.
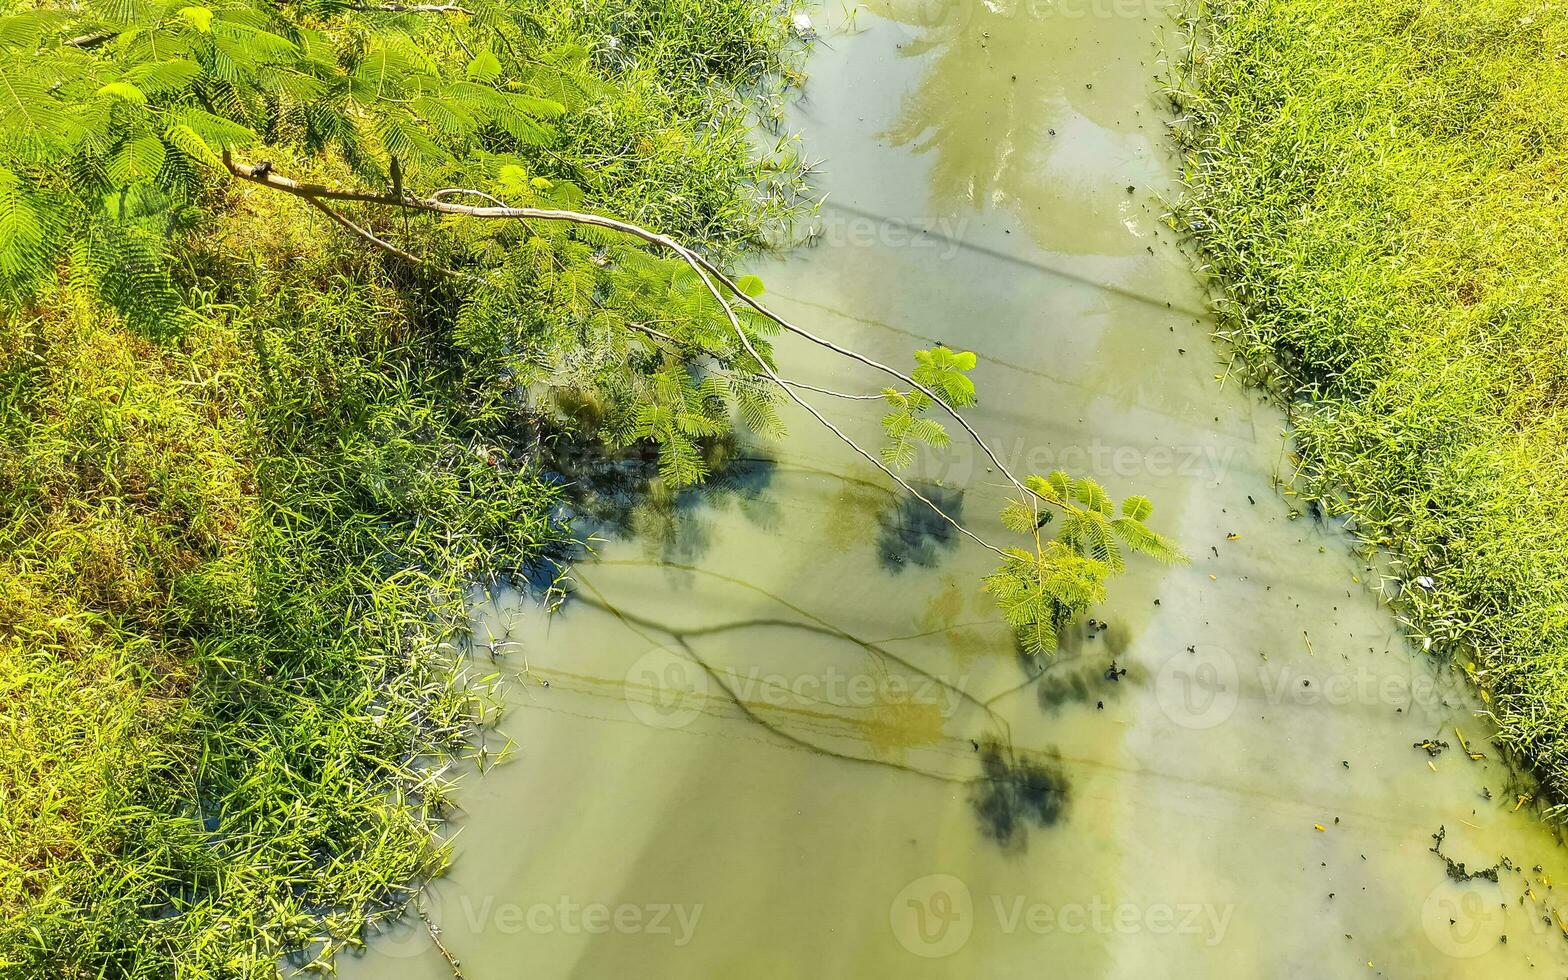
x,y
1380,191
234,560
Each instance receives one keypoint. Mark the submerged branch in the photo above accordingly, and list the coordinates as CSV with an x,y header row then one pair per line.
x,y
435,937
813,623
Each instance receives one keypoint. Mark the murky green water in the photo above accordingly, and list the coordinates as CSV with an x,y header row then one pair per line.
x,y
814,799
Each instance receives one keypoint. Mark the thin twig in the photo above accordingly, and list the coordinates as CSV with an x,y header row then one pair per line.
x,y
438,204
829,391
435,937
90,40
708,273
698,267
365,233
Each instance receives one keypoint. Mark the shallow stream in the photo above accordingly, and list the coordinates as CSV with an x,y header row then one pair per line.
x,y
786,735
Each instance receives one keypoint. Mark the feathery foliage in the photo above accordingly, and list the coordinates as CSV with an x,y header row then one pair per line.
x,y
1042,588
250,471
122,114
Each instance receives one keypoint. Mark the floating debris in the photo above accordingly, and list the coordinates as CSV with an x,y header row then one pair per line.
x,y
1456,869
1474,756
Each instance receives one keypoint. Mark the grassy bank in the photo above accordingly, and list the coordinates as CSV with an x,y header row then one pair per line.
x,y
234,555
1380,190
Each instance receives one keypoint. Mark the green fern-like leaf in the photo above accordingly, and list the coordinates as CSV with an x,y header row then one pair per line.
x,y
25,239
1019,516
944,372
1137,508
139,158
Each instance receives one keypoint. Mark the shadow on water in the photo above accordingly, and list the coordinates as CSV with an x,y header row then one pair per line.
x,y
621,496
1078,682
912,533
1085,671
1015,794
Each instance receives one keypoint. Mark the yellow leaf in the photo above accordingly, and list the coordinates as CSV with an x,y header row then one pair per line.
x,y
198,17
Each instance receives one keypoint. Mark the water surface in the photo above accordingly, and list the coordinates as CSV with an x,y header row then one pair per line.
x,y
786,735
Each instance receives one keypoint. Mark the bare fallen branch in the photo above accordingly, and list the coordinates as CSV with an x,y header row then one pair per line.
x,y
710,275
90,40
